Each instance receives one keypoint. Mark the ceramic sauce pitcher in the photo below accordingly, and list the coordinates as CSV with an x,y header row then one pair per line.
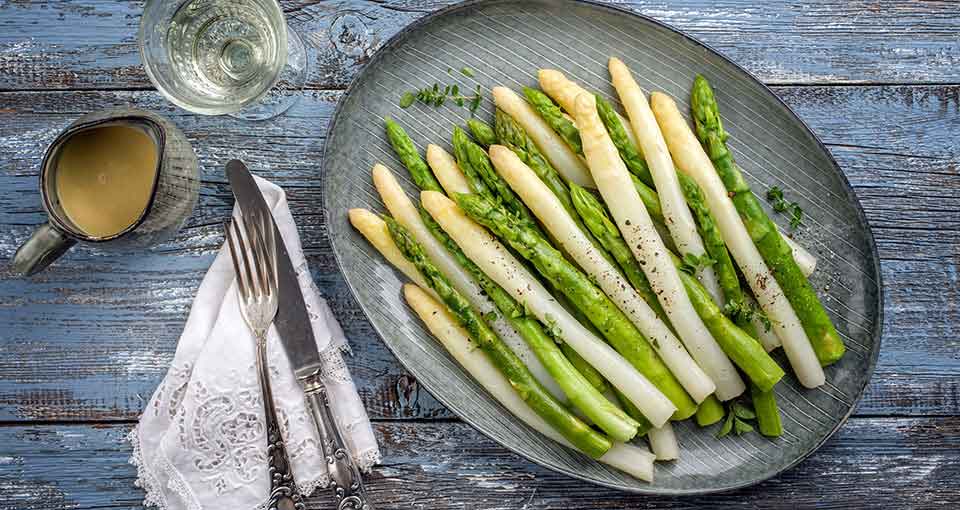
x,y
120,178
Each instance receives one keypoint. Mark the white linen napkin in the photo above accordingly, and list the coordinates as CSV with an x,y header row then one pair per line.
x,y
200,443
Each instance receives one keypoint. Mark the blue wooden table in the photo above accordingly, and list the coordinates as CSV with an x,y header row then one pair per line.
x,y
85,343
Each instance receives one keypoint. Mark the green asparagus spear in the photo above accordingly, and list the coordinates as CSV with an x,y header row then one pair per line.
x,y
764,402
765,407
774,250
598,223
551,113
744,350
712,241
629,153
592,375
535,395
710,411
741,348
408,154
476,166
587,297
482,132
634,413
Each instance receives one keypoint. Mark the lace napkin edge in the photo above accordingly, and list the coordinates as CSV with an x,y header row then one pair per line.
x,y
154,494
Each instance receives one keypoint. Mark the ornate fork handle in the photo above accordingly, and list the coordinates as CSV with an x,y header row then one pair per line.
x,y
283,488
344,474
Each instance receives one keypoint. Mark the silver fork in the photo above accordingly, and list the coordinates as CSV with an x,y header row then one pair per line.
x,y
258,304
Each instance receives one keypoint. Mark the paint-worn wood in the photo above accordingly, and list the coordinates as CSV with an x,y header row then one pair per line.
x,y
872,462
90,339
101,328
783,41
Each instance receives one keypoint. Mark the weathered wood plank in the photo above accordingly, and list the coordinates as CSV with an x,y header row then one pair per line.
x,y
782,41
102,328
903,463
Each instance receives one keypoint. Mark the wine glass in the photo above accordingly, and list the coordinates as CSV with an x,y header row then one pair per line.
x,y
217,57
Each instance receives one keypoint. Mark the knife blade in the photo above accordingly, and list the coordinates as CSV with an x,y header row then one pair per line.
x,y
293,319
296,336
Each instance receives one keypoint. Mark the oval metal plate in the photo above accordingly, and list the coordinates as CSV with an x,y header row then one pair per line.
x,y
505,42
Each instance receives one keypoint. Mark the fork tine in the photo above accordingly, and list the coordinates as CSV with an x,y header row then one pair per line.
x,y
236,263
259,256
263,232
244,248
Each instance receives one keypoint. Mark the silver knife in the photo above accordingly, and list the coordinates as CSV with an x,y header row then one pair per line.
x,y
296,335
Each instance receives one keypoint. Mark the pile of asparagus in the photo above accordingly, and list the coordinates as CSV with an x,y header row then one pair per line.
x,y
602,275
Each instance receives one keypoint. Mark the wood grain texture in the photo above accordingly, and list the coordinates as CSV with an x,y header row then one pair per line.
x,y
830,41
56,467
90,339
102,328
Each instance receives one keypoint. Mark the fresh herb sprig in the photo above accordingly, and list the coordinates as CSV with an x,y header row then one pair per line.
x,y
437,95
780,205
743,311
693,263
738,419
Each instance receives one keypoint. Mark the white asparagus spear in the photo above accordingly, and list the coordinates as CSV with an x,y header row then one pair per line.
x,y
403,210
565,91
635,461
560,155
548,209
692,160
663,442
446,170
494,259
375,231
766,333
676,214
638,230
805,260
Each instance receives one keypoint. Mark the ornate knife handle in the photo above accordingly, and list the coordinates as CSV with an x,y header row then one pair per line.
x,y
344,473
283,488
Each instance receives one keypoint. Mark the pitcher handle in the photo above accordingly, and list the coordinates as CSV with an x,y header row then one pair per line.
x,y
46,244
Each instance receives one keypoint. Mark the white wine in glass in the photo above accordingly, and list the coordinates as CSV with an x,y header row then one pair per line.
x,y
222,56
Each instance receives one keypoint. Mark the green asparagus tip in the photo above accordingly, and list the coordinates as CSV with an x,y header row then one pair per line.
x,y
459,135
706,113
482,132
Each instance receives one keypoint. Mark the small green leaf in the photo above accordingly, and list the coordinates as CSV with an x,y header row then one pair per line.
x,y
407,99
552,329
489,317
743,412
775,194
765,321
467,72
796,214
742,427
727,426
455,90
693,263
475,103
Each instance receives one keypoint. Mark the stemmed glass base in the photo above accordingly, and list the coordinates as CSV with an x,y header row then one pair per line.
x,y
286,92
